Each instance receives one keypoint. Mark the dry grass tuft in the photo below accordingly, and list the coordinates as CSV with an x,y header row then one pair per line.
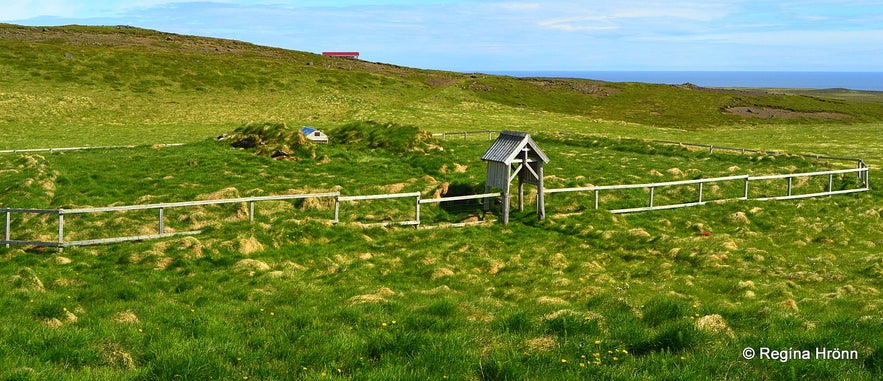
x,y
117,357
639,233
250,245
375,298
28,280
441,273
221,194
790,304
59,260
126,317
552,301
714,324
495,266
739,218
541,344
676,172
253,264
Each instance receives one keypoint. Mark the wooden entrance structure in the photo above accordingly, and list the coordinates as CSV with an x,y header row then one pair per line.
x,y
515,155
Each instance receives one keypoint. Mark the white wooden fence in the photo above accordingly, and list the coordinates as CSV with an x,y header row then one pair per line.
x,y
61,242
465,134
651,187
63,149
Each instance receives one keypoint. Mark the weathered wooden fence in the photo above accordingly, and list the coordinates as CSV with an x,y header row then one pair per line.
x,y
700,200
61,242
160,208
465,134
63,149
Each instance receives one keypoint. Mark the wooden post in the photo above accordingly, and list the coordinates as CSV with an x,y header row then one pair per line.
x,y
60,230
6,232
506,207
541,196
417,211
506,201
746,187
520,194
487,189
336,209
162,223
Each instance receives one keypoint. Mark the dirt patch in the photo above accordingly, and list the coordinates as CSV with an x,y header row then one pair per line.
x,y
777,113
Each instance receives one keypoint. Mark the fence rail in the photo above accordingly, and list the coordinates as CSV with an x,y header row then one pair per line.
x,y
465,134
62,149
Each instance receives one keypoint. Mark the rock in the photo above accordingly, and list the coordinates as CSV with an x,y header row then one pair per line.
x,y
247,142
280,153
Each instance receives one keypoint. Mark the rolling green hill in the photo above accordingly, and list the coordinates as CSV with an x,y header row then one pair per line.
x,y
123,85
584,294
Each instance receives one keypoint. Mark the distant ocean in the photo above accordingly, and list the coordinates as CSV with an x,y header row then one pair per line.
x,y
750,79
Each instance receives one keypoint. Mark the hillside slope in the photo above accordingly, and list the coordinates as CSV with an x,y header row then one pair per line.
x,y
125,84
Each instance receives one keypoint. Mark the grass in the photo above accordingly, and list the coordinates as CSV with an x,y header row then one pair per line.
x,y
583,294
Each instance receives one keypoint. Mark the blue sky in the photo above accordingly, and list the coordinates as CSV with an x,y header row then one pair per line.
x,y
781,35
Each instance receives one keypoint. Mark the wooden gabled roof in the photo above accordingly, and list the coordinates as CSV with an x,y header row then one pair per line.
x,y
509,145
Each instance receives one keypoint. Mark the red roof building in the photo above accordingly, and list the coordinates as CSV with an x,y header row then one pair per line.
x,y
342,54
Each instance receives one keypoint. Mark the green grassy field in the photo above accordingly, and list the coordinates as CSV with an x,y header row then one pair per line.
x,y
585,294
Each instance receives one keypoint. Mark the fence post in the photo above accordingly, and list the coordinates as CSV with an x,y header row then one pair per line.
x,y
60,230
652,189
747,180
700,192
336,209
251,211
162,221
417,211
830,182
596,199
6,232
790,182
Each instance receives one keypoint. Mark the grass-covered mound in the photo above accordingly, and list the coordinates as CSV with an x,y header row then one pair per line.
x,y
273,139
389,136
